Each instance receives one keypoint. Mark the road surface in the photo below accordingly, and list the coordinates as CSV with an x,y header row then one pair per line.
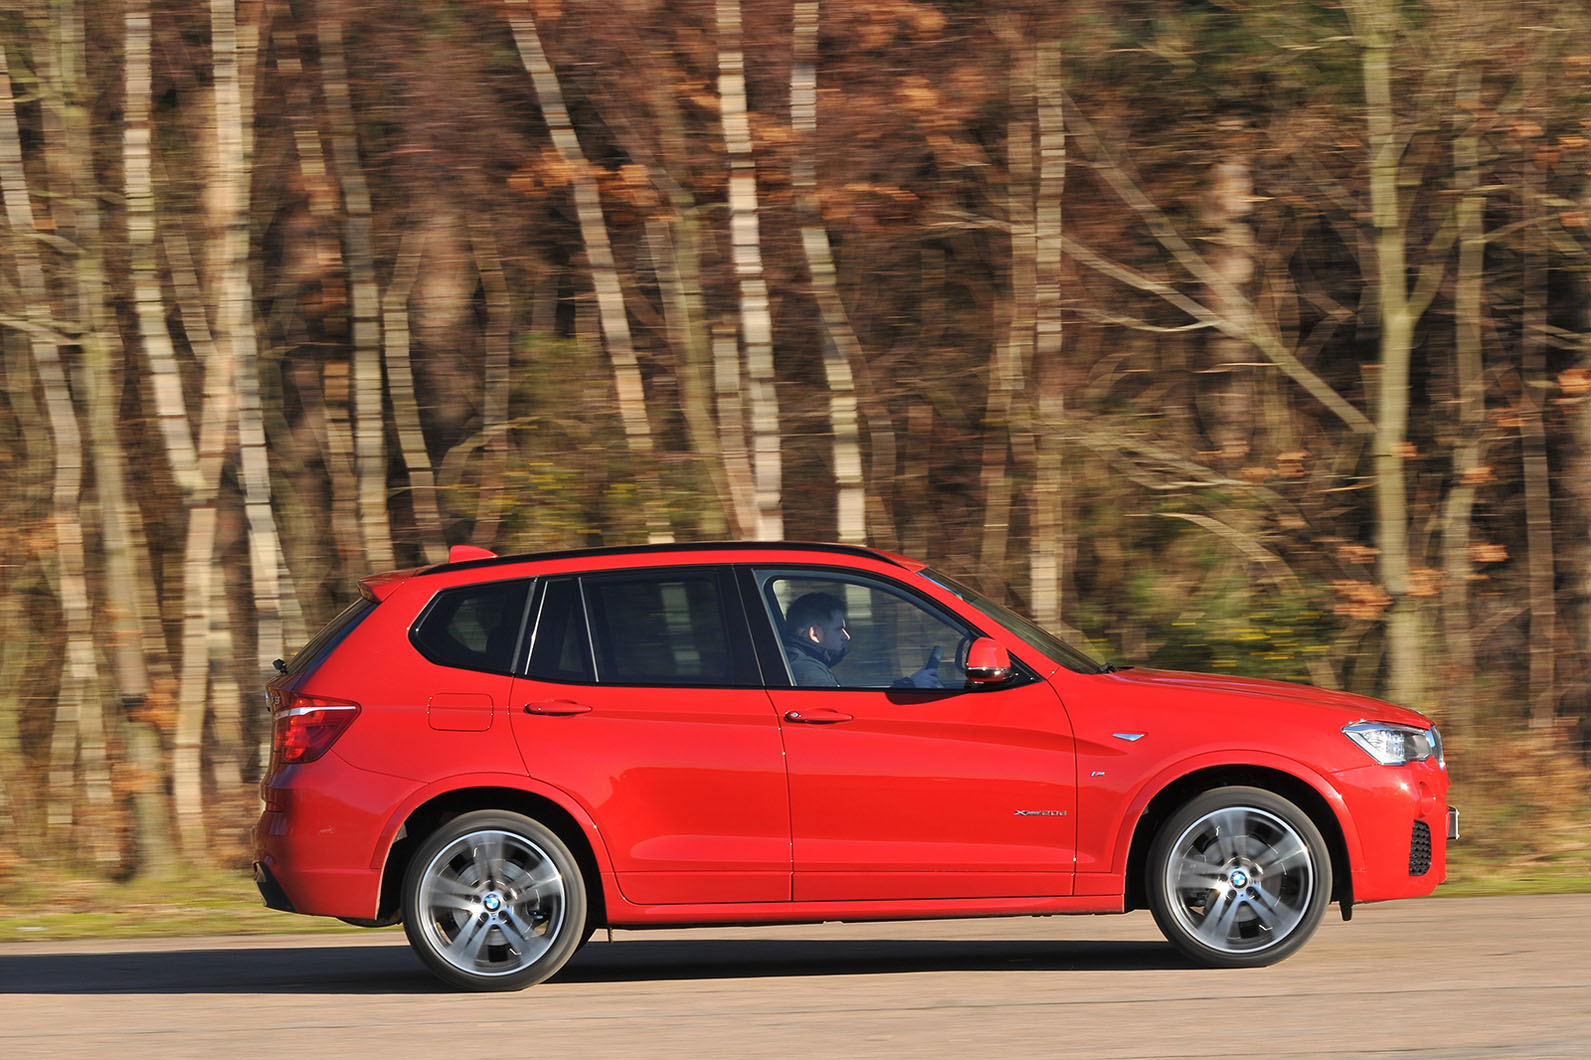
x,y
1463,977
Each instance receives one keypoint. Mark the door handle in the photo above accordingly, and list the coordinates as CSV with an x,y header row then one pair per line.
x,y
557,708
820,716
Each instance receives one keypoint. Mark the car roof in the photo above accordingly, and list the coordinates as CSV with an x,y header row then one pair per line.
x,y
675,548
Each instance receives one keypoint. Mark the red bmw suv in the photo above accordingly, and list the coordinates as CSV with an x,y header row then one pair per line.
x,y
506,753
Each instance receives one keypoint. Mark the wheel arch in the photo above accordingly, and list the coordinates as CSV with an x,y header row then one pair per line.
x,y
1179,790
425,818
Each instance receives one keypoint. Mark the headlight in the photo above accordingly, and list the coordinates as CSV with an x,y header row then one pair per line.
x,y
1396,745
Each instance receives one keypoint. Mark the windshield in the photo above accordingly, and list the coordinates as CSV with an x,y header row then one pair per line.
x,y
1036,637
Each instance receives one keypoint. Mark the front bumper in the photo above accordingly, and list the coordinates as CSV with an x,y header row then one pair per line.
x,y
1402,823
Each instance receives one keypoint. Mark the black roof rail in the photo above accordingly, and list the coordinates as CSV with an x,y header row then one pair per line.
x,y
648,549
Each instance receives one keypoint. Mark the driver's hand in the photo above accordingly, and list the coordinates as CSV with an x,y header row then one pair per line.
x,y
925,678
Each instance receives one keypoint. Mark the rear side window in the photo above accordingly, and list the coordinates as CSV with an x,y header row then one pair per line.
x,y
331,635
477,627
668,628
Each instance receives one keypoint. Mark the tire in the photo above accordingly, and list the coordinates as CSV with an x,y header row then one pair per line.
x,y
1239,878
494,901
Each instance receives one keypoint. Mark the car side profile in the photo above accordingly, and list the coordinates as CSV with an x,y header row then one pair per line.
x,y
507,753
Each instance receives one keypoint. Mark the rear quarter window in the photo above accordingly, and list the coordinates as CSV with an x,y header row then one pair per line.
x,y
476,627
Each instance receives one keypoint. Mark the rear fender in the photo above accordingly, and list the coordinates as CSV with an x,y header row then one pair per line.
x,y
466,782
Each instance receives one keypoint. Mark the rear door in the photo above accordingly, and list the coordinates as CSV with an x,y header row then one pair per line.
x,y
645,703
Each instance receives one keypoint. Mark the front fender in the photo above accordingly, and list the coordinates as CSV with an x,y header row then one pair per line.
x,y
1235,761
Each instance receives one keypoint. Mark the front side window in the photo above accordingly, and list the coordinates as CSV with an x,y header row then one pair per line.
x,y
663,628
476,627
850,631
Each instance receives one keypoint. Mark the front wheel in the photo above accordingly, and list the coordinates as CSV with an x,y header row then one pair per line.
x,y
494,901
1239,878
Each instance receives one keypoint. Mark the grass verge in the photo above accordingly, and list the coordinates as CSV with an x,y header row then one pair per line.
x,y
207,903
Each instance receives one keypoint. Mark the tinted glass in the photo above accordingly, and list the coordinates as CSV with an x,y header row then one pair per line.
x,y
474,628
895,639
660,629
560,651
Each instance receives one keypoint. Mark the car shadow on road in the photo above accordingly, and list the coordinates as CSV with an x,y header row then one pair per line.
x,y
771,958
390,969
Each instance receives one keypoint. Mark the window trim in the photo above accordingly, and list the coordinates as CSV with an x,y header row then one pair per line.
x,y
744,660
771,646
543,588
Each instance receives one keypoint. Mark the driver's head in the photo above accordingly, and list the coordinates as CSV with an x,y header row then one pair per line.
x,y
818,619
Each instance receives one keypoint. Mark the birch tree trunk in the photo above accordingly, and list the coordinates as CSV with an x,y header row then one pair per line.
x,y
370,455
729,389
1047,567
756,319
840,345
151,807
405,406
101,348
1003,419
687,314
217,433
232,43
329,400
604,272
1469,381
1375,24
165,380
1229,385
78,691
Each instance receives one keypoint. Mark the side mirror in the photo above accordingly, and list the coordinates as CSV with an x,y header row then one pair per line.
x,y
988,663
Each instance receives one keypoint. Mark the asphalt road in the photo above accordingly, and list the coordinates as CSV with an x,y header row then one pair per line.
x,y
1473,977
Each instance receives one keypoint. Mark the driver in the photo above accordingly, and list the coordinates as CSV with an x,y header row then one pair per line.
x,y
816,640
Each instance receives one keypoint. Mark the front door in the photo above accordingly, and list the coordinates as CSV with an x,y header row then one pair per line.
x,y
903,785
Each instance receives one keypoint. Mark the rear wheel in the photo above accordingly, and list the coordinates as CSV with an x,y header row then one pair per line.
x,y
494,901
1238,878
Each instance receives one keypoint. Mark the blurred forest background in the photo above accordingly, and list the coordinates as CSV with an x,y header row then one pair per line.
x,y
1236,335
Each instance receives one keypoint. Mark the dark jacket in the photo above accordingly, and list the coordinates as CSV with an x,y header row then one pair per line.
x,y
807,668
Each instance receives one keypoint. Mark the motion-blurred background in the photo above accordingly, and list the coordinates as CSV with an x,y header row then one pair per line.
x,y
1238,335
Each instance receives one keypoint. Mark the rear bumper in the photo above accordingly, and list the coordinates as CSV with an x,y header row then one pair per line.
x,y
317,846
271,891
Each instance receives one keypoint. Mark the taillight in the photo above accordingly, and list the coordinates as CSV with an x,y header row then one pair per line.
x,y
307,726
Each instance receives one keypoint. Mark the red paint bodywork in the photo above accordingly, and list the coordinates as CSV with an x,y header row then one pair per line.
x,y
701,806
